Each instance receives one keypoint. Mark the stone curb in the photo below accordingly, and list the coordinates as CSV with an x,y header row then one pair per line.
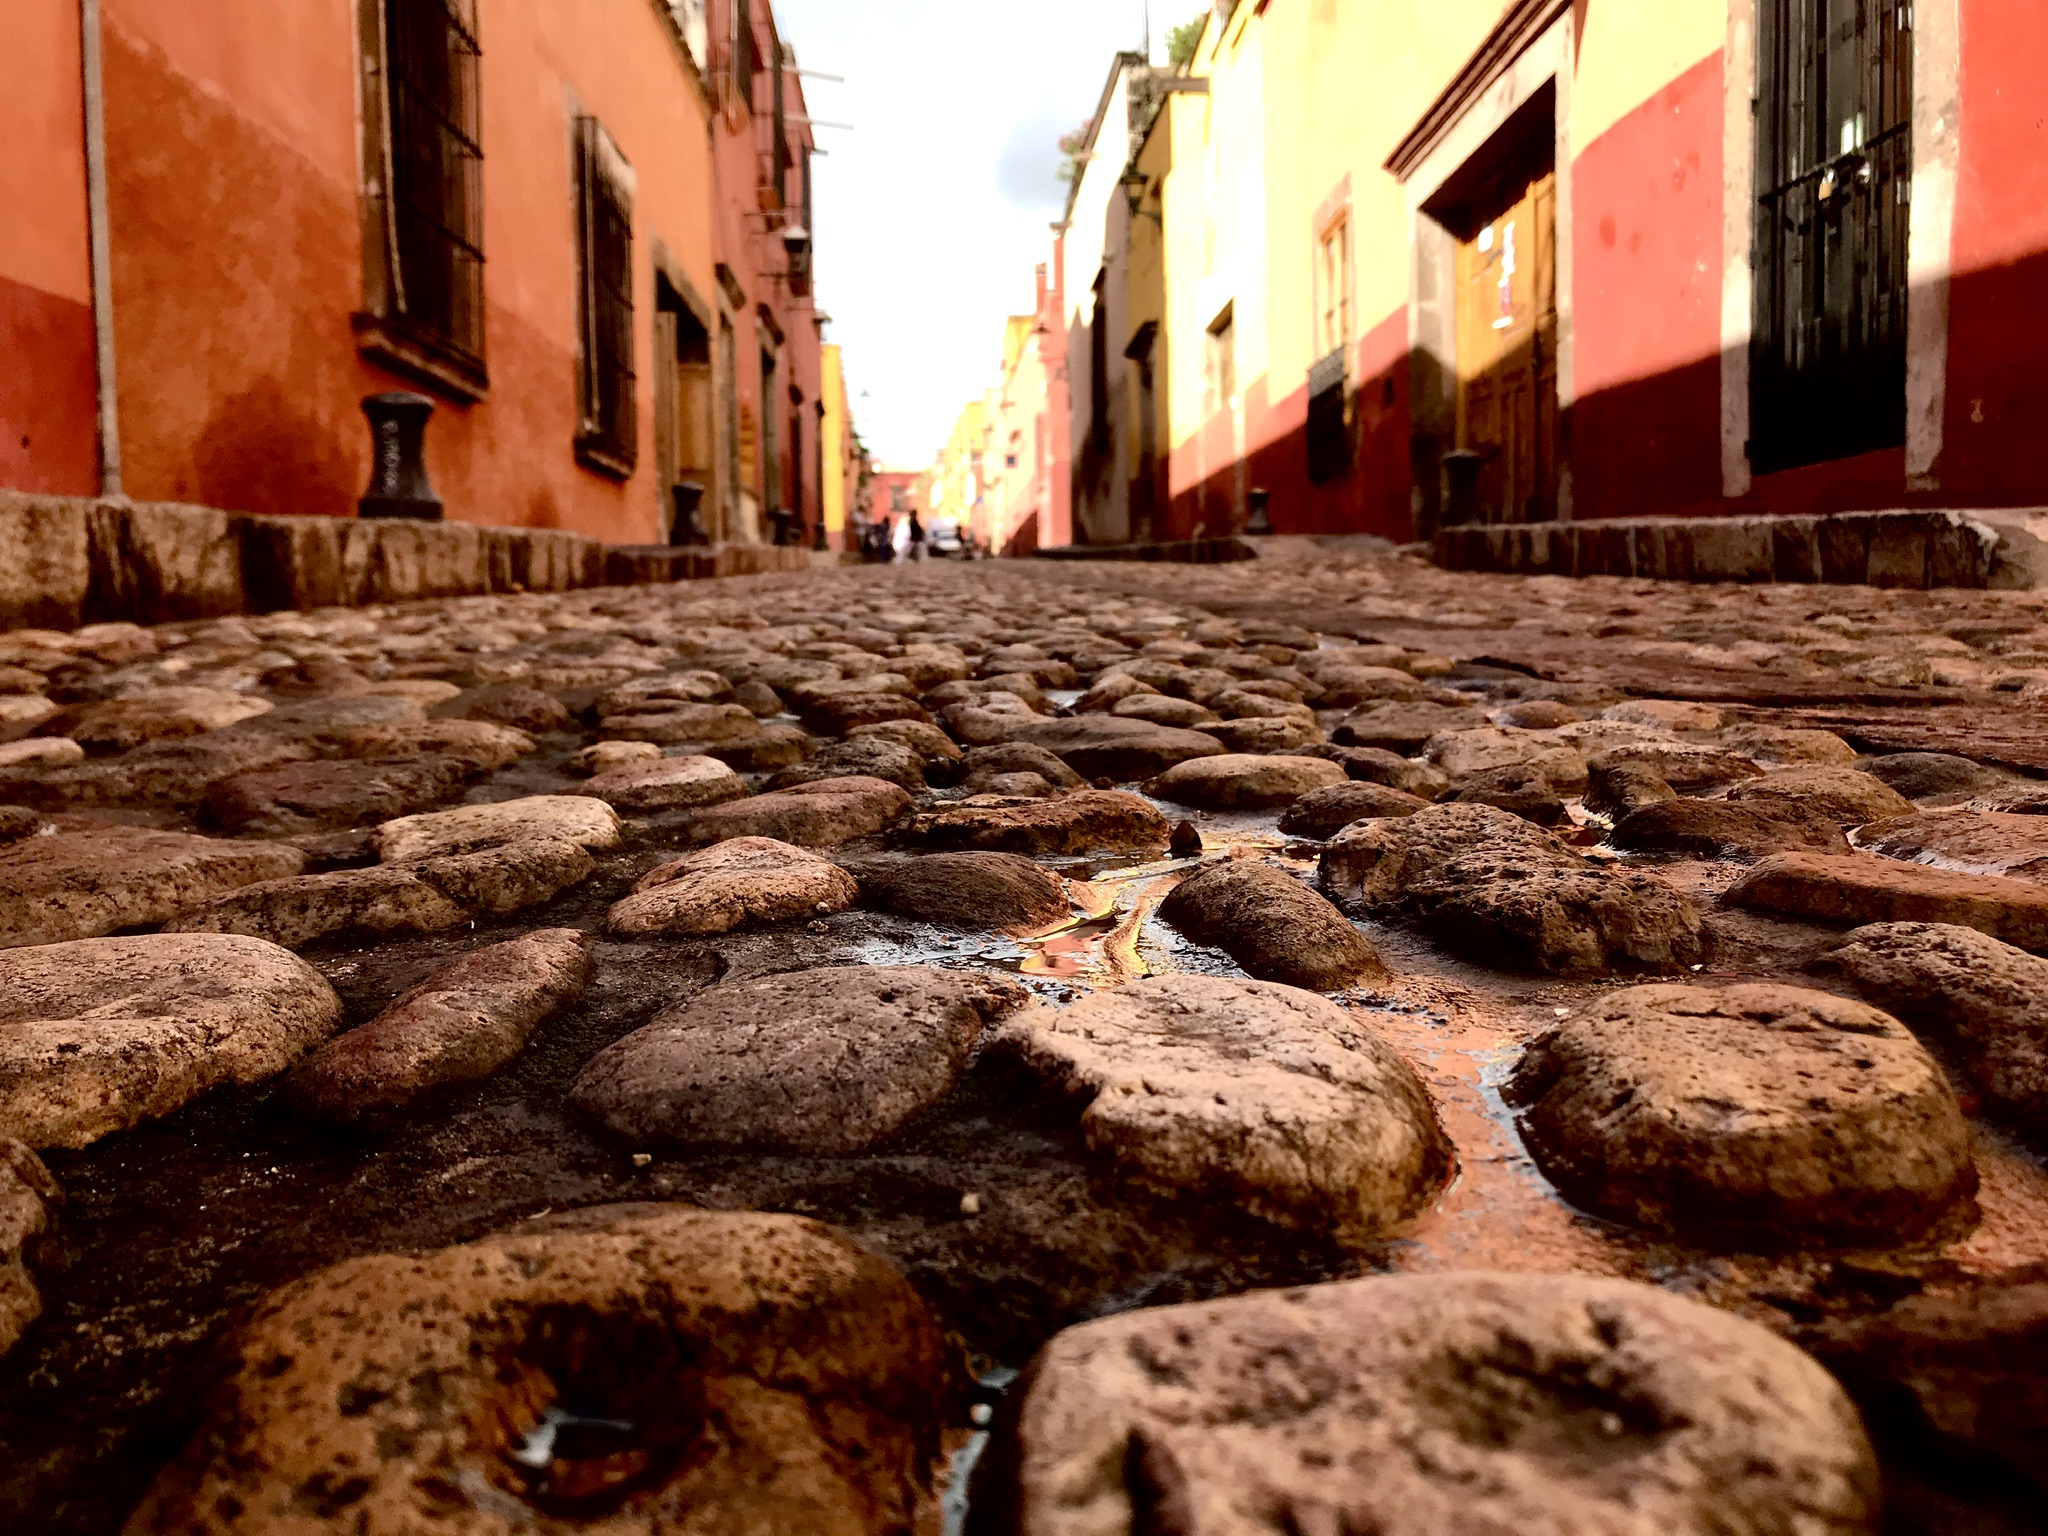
x,y
1914,550
67,561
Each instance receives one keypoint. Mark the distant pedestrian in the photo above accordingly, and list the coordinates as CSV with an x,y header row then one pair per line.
x,y
916,536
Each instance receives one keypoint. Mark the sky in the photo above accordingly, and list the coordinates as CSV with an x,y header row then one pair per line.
x,y
934,209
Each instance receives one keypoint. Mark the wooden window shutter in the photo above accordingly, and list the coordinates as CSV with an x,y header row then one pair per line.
x,y
608,435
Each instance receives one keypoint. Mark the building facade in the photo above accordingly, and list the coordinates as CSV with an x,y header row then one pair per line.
x,y
955,478
1005,473
767,340
510,209
1026,476
48,384
1390,267
844,464
897,495
1094,238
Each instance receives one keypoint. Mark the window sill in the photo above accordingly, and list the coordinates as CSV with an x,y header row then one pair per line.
x,y
605,461
382,343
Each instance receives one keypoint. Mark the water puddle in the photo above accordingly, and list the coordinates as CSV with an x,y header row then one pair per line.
x,y
1110,936
1112,939
1099,945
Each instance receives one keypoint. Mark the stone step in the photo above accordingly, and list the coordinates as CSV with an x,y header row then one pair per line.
x,y
67,561
1909,549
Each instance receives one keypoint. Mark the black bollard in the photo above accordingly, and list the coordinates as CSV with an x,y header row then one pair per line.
x,y
1461,488
1256,500
398,470
688,496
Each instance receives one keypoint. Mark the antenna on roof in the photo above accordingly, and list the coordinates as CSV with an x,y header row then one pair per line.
x,y
1148,31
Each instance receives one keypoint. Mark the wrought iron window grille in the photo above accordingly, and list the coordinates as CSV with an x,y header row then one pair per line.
x,y
428,189
1834,148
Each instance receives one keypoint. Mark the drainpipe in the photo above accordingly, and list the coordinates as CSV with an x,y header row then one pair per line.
x,y
102,269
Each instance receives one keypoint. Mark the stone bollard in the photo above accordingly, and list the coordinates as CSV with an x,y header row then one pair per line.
x,y
398,472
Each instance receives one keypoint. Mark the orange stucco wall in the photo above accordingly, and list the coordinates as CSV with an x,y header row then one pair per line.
x,y
233,197
47,379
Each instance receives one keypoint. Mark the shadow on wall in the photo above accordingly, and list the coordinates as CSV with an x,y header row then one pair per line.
x,y
1652,446
1370,496
1024,541
259,453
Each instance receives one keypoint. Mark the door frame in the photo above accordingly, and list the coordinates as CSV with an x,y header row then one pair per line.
x,y
669,270
1531,49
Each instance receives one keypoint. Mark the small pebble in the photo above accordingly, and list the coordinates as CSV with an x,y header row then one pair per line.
x,y
970,1204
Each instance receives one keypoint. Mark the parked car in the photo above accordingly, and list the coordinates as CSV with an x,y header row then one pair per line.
x,y
943,541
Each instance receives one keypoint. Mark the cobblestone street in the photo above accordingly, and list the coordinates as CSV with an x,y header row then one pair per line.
x,y
1076,939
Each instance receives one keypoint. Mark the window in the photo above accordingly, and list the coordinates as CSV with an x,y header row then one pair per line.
x,y
424,260
779,147
608,436
1333,288
1219,361
690,21
1834,149
1329,425
745,62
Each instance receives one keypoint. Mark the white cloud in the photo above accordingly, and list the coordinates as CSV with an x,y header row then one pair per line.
x,y
927,228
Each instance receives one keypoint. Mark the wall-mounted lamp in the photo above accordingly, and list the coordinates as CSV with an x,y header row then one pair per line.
x,y
1134,182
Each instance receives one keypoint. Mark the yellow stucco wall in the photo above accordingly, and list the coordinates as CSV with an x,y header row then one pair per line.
x,y
1629,52
1306,102
956,478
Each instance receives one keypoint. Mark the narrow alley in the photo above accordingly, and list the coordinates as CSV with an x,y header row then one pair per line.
x,y
1398,884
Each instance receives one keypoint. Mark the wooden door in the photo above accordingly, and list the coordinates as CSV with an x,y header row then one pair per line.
x,y
684,450
1507,353
667,414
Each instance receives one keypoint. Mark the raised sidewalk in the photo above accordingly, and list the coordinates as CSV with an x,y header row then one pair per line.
x,y
1908,549
67,561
